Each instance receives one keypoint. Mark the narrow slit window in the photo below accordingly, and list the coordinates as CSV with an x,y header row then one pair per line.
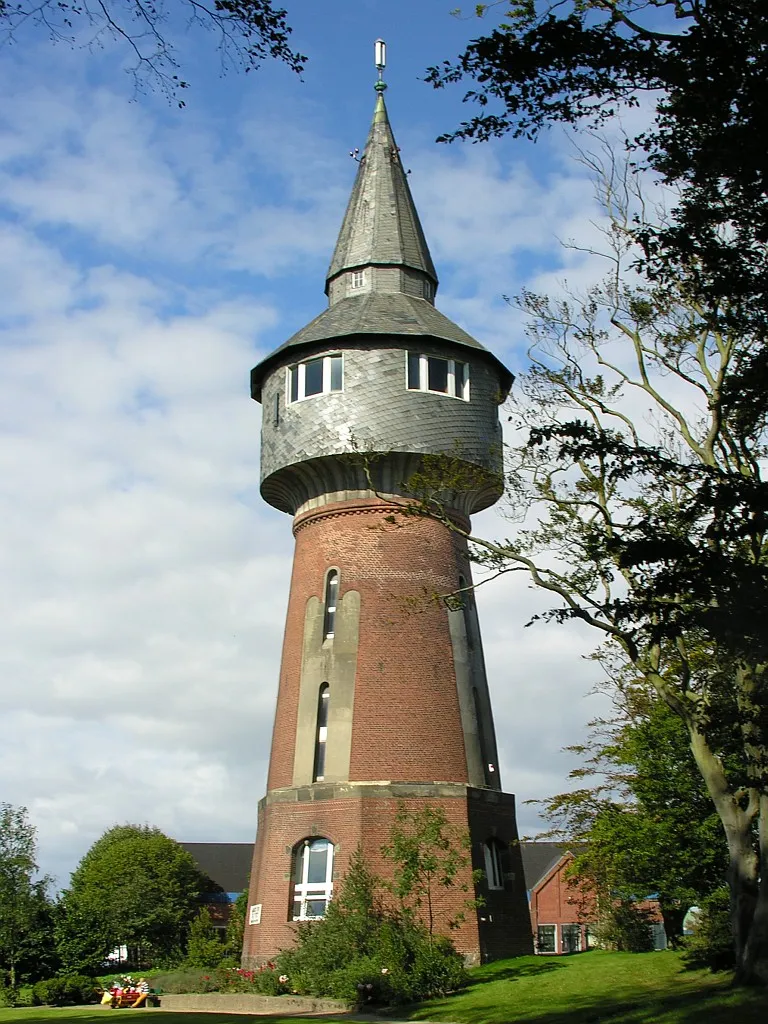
x,y
321,736
331,597
494,865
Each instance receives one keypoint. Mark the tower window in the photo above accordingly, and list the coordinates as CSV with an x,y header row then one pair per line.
x,y
429,290
312,879
321,735
358,278
331,597
315,377
438,376
494,865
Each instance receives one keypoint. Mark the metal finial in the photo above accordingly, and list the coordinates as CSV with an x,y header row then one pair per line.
x,y
380,59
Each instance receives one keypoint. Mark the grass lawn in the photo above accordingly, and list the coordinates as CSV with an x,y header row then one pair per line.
x,y
617,988
100,1015
588,988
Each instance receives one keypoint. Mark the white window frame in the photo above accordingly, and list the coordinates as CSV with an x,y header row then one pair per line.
x,y
546,952
357,280
494,868
304,891
301,370
580,943
429,289
424,376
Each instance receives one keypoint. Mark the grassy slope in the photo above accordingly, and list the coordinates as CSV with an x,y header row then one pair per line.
x,y
609,988
620,988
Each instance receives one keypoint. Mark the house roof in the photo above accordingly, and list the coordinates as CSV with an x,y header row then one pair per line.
x,y
539,858
228,865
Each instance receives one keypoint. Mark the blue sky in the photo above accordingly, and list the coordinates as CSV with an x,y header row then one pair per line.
x,y
150,256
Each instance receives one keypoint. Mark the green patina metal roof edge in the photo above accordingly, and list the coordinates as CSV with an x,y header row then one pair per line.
x,y
358,316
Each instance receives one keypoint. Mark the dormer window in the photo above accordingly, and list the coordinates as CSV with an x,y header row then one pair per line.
x,y
438,376
358,278
315,377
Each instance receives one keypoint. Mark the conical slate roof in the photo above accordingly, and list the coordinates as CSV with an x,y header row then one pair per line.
x,y
380,229
381,226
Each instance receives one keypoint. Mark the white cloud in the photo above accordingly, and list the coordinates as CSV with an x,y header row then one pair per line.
x,y
148,264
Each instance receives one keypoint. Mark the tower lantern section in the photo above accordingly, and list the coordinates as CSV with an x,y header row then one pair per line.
x,y
383,699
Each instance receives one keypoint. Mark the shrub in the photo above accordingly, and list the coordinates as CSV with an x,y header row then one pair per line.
x,y
626,928
204,948
363,953
73,988
711,945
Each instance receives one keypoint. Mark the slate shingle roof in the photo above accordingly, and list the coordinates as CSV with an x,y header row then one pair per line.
x,y
228,865
381,225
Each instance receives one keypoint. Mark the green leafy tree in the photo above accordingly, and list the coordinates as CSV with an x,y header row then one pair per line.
x,y
134,887
246,32
365,951
236,926
645,506
646,824
429,855
701,66
26,947
204,948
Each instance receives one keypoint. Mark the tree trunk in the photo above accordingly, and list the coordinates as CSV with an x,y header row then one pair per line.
x,y
673,917
754,964
748,891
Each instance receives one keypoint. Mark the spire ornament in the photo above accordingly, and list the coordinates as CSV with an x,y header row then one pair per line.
x,y
380,60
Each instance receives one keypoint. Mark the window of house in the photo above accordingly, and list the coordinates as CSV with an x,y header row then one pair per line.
x,y
570,938
317,376
358,278
546,939
312,879
331,597
321,734
439,376
494,865
429,290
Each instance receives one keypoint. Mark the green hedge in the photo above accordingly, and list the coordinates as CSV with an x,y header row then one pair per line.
x,y
73,988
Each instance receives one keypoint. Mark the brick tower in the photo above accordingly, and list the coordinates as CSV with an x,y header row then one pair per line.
x,y
383,695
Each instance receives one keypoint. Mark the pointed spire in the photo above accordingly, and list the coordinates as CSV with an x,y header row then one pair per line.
x,y
381,227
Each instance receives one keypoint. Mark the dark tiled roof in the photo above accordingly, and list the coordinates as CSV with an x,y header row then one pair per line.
x,y
389,313
381,225
539,858
228,865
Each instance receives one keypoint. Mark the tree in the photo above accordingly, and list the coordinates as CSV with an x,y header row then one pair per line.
x,y
703,66
134,887
646,824
646,515
204,948
429,855
365,951
26,950
247,32
236,926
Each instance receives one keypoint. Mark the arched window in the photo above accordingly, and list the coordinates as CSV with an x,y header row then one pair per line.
x,y
493,851
322,732
331,596
312,878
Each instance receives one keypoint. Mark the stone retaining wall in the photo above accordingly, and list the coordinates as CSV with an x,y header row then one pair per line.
x,y
220,1002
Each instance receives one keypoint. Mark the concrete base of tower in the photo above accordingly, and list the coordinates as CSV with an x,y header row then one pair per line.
x,y
349,815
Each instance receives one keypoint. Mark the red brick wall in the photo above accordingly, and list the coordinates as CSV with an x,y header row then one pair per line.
x,y
406,722
406,714
501,927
